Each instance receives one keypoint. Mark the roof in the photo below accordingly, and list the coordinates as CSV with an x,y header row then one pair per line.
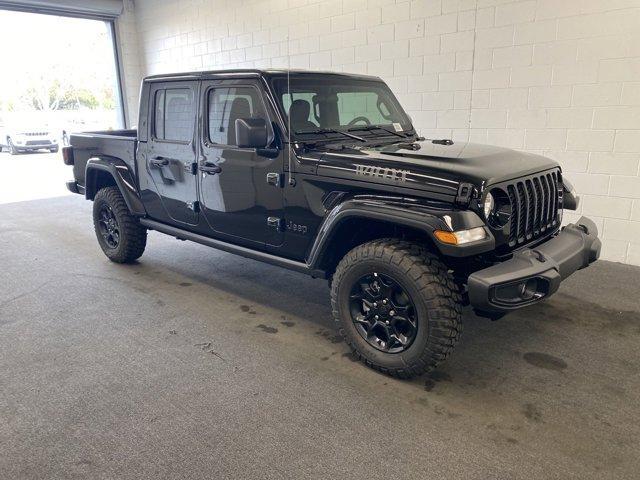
x,y
249,72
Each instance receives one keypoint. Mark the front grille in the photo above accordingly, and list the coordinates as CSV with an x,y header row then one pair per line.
x,y
36,134
536,202
38,142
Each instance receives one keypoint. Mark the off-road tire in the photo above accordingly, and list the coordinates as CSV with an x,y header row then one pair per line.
x,y
132,235
437,300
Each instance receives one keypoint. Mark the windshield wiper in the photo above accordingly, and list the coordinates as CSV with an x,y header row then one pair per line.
x,y
368,128
330,130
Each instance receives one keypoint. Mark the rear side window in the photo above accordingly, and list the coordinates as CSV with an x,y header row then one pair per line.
x,y
225,106
174,115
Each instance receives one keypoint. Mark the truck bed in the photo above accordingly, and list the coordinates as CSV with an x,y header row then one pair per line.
x,y
131,132
114,143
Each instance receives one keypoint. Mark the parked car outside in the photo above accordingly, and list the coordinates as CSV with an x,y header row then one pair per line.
x,y
22,139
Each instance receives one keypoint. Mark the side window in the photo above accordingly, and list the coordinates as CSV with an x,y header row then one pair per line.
x,y
225,106
174,115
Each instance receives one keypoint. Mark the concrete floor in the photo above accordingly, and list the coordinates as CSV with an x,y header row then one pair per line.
x,y
198,364
46,172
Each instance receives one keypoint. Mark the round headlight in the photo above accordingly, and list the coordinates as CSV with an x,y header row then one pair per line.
x,y
487,208
497,210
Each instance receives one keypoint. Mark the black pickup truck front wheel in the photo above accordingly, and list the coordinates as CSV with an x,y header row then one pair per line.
x,y
119,233
397,306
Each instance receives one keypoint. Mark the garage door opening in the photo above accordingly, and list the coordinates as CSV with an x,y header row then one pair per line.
x,y
60,76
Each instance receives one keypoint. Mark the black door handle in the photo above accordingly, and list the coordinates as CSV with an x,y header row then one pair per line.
x,y
160,161
210,168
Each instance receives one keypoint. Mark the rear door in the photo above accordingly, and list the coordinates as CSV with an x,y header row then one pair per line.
x,y
172,151
240,189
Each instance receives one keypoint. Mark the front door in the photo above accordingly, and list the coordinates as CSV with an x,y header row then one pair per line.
x,y
171,151
240,189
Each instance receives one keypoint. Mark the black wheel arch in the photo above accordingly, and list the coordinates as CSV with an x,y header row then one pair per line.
x,y
365,218
106,171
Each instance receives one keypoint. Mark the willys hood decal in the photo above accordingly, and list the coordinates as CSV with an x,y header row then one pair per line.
x,y
439,168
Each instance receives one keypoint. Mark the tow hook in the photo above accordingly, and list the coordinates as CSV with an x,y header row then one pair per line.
x,y
539,256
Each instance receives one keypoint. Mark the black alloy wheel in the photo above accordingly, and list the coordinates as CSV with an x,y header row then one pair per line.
x,y
108,225
383,313
119,233
397,306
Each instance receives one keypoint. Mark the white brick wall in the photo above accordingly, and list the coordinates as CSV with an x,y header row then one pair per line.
x,y
560,78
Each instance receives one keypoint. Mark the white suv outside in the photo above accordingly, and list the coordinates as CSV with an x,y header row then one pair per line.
x,y
28,140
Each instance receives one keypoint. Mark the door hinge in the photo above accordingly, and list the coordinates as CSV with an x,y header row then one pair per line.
x,y
275,179
194,206
277,223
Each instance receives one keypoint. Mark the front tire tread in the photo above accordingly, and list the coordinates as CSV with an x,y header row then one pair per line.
x,y
437,289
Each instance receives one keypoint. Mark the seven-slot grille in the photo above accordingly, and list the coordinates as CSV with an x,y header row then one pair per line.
x,y
36,134
535,202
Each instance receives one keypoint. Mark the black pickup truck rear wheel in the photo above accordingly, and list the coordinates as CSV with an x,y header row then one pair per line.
x,y
397,306
119,233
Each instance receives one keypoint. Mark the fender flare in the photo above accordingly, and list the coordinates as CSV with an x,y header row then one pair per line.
x,y
421,217
122,177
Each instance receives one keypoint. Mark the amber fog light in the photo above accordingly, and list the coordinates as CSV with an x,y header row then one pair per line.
x,y
461,236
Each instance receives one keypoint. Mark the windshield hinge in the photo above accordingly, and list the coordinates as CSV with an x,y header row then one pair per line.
x,y
275,179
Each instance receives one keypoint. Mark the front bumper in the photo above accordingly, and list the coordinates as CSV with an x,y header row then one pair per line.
x,y
534,274
31,148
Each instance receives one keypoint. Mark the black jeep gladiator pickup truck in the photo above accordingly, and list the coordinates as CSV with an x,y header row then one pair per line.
x,y
324,174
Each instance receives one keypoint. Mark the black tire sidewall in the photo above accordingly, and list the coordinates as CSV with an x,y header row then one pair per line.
x,y
404,359
98,203
133,236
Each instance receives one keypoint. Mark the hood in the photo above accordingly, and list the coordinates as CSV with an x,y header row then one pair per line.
x,y
434,167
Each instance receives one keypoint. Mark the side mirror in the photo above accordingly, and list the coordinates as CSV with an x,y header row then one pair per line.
x,y
251,132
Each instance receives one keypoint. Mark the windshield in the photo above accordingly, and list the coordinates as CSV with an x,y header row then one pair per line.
x,y
320,104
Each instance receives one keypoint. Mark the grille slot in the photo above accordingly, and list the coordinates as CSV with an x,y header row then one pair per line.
x,y
535,206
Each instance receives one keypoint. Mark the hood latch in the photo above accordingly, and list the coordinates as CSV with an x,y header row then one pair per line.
x,y
465,194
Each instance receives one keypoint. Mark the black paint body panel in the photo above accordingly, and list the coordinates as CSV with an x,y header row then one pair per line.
x,y
312,192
